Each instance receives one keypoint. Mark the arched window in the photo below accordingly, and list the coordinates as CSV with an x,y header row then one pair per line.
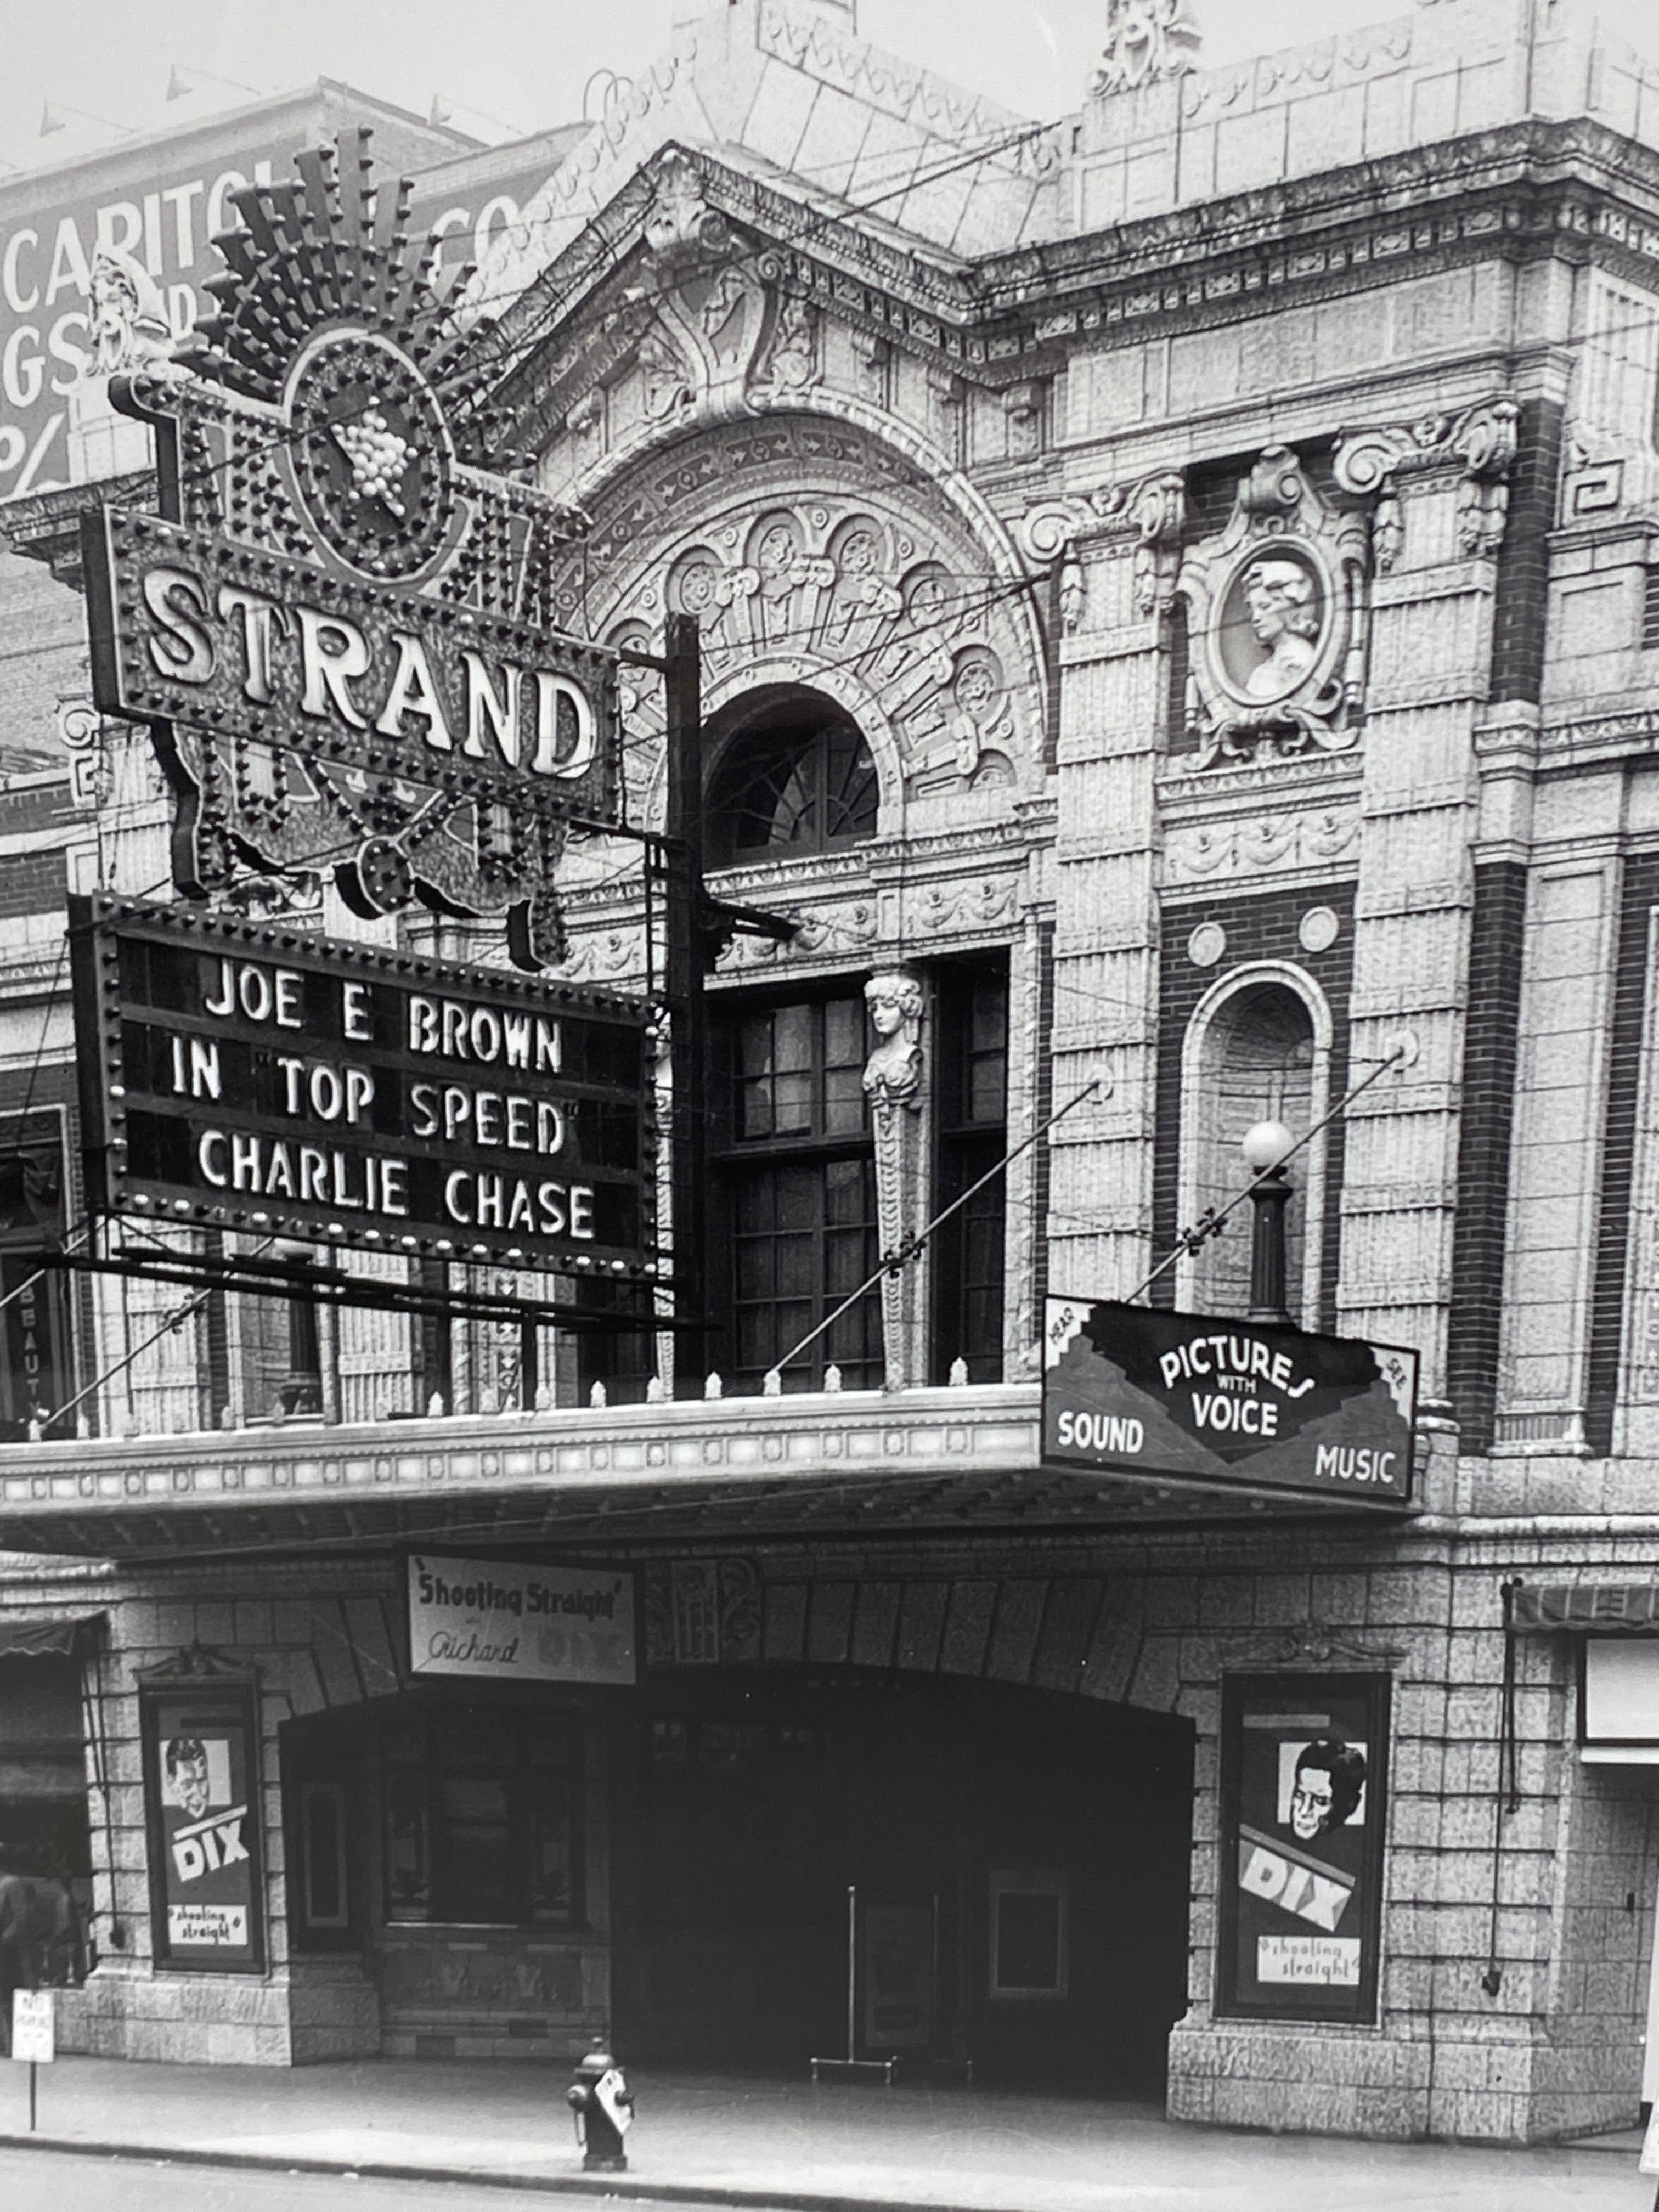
x,y
794,777
1258,1052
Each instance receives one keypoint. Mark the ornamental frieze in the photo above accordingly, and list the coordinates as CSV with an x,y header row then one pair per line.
x,y
1260,845
863,587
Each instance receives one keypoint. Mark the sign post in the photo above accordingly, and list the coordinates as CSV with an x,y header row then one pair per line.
x,y
33,2035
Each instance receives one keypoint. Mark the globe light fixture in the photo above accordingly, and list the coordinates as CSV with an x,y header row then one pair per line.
x,y
1267,1146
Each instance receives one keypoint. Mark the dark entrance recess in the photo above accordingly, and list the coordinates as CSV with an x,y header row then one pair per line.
x,y
1053,1832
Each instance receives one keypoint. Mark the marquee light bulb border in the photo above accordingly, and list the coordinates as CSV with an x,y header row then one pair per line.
x,y
340,631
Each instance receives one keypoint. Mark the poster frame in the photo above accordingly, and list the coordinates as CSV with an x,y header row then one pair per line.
x,y
1238,1692
238,1694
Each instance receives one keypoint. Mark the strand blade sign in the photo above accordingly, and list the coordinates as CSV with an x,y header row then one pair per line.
x,y
1202,1398
506,1621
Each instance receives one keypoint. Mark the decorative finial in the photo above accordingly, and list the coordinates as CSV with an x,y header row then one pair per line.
x,y
1145,39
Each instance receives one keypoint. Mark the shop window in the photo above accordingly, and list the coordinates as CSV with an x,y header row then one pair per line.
x,y
971,1031
1030,1935
796,1196
481,1808
797,778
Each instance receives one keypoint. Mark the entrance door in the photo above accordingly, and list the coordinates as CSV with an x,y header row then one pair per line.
x,y
1021,1861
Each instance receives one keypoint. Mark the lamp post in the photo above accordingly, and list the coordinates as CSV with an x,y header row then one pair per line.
x,y
1265,1147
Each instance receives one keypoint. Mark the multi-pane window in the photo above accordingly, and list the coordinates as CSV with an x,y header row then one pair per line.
x,y
971,1030
481,1810
796,1182
800,783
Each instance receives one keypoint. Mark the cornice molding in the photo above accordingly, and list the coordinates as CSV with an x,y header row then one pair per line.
x,y
1529,186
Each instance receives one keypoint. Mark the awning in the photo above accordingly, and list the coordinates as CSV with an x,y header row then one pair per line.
x,y
42,1635
1585,1605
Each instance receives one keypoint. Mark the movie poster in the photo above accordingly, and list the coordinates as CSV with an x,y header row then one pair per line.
x,y
207,1898
1303,1779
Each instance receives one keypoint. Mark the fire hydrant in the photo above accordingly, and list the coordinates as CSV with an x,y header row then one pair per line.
x,y
603,2104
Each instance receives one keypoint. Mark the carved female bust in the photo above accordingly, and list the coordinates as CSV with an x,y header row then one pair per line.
x,y
892,1074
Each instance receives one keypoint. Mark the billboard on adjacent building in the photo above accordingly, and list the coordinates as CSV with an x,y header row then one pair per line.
x,y
500,1620
249,1077
1200,1397
117,244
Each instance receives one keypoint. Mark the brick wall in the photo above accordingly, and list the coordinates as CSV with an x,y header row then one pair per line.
x,y
32,883
1483,1152
1641,894
1518,616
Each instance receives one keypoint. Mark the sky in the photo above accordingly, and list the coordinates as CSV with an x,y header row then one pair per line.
x,y
507,67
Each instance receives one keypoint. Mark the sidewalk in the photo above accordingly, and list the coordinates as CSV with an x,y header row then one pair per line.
x,y
709,2139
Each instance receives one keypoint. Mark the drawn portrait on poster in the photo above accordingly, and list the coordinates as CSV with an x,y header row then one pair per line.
x,y
206,1894
1304,1760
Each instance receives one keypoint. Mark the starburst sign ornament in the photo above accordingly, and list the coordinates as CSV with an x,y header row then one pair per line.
x,y
338,629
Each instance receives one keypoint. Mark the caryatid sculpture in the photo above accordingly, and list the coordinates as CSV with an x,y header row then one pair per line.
x,y
893,1081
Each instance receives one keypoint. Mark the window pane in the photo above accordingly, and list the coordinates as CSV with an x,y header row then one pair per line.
x,y
408,1875
793,1038
792,1111
799,1201
795,1263
844,1033
551,1853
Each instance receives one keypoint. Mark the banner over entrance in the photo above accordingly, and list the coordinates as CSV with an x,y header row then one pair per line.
x,y
1195,1396
500,1620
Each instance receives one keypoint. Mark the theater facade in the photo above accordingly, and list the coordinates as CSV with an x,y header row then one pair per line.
x,y
1178,628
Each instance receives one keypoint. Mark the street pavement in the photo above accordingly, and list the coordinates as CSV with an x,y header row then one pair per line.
x,y
437,2130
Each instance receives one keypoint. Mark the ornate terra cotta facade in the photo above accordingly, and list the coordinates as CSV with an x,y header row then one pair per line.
x,y
1180,644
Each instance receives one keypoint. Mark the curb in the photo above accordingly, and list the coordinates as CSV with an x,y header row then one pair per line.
x,y
552,2185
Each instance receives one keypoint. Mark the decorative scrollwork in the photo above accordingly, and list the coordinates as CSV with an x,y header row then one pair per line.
x,y
1145,39
1481,439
